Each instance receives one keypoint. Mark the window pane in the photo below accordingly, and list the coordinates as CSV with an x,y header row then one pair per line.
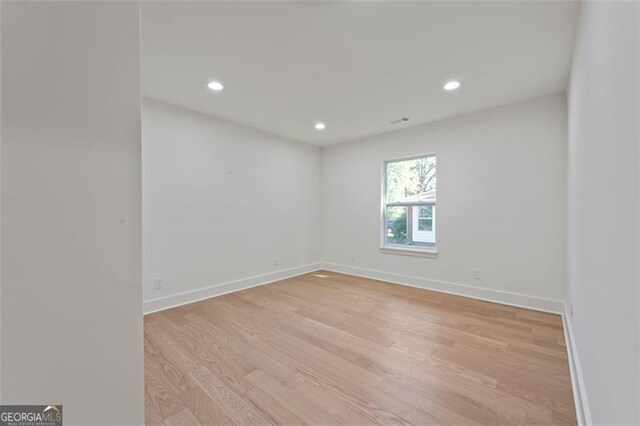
x,y
411,180
426,212
396,225
425,225
403,226
411,183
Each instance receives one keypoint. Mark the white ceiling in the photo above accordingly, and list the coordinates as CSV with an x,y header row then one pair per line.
x,y
355,66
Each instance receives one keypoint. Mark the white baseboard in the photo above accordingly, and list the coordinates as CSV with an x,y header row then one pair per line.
x,y
482,293
579,395
187,297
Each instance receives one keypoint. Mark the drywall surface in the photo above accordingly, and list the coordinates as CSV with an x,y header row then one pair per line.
x,y
71,210
603,212
501,200
1,377
223,202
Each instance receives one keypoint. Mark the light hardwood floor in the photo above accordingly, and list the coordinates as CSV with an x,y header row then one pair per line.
x,y
327,348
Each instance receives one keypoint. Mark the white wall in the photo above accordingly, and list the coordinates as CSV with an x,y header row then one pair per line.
x,y
501,201
221,201
603,212
1,315
71,214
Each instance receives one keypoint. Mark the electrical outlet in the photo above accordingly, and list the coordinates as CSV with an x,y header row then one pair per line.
x,y
476,274
276,261
353,257
157,283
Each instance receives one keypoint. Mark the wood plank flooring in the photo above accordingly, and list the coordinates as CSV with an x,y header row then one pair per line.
x,y
328,348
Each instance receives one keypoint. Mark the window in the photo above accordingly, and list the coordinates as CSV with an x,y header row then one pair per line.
x,y
425,218
409,204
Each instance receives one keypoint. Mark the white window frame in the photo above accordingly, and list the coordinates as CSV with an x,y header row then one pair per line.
x,y
401,249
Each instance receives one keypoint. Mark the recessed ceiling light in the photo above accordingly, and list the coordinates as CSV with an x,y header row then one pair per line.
x,y
451,85
320,126
215,86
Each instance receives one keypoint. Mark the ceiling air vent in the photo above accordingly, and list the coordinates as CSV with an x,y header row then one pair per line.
x,y
399,120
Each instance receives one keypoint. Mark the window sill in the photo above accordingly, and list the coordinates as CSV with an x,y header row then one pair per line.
x,y
419,252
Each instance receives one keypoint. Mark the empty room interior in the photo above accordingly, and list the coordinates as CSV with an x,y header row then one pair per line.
x,y
371,212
